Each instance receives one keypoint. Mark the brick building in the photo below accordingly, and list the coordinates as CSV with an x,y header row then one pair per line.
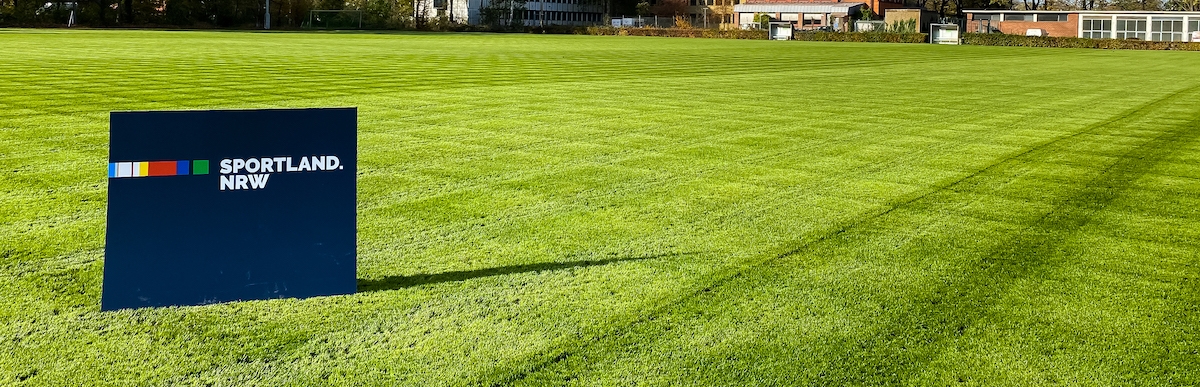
x,y
1166,26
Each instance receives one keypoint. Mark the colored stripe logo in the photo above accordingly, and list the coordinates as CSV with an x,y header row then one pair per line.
x,y
157,168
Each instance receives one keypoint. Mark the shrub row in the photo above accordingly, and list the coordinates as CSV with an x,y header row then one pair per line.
x,y
886,37
554,29
674,32
1071,42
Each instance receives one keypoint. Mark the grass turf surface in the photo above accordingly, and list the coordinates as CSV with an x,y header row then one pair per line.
x,y
547,210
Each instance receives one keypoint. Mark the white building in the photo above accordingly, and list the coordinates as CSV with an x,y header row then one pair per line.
x,y
537,13
802,15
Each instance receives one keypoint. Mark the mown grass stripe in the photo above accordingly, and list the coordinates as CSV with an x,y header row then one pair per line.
x,y
1136,159
501,170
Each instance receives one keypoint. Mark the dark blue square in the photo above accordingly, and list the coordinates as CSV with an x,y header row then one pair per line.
x,y
184,240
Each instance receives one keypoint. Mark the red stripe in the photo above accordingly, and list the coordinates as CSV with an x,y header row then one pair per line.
x,y
162,168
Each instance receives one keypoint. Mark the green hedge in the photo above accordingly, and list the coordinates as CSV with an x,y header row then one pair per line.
x,y
1068,42
886,37
674,32
889,37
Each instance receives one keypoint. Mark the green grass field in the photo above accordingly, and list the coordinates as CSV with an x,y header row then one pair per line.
x,y
573,210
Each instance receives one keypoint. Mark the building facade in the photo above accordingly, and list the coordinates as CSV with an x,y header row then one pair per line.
x,y
563,12
536,13
806,15
1161,26
803,16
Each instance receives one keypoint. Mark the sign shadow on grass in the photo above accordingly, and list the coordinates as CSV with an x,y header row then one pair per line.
x,y
401,281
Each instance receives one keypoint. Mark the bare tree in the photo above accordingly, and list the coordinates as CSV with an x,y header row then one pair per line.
x,y
420,13
670,8
940,6
1184,5
101,8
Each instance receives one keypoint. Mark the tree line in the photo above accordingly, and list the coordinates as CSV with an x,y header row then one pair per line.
x,y
201,13
411,14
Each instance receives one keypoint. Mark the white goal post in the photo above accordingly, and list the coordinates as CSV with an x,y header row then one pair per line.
x,y
339,18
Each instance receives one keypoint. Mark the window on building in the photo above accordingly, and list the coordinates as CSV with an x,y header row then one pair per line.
x,y
693,3
812,20
1052,17
985,16
1167,29
1195,25
1097,28
1019,17
1131,29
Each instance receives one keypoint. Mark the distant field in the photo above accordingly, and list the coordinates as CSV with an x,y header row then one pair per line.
x,y
572,210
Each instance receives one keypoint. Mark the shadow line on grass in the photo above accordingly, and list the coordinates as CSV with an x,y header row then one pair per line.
x,y
402,281
1128,115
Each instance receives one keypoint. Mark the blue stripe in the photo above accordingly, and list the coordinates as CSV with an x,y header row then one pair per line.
x,y
181,167
112,170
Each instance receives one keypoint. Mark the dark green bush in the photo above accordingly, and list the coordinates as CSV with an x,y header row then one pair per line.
x,y
888,37
674,32
1071,42
885,37
553,29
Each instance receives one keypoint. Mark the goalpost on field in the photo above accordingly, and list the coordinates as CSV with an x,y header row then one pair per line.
x,y
335,18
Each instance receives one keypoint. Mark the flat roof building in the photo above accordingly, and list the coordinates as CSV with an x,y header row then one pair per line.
x,y
537,12
1161,26
805,14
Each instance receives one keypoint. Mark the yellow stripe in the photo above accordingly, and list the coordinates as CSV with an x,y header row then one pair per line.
x,y
143,169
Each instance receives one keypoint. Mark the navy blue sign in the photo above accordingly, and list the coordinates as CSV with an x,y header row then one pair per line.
x,y
215,206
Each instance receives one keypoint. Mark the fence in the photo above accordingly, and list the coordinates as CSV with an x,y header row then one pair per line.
x,y
698,21
643,21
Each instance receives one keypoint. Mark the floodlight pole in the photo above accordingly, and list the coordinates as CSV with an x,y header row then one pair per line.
x,y
267,16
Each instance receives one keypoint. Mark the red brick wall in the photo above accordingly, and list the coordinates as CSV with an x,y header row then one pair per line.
x,y
1069,28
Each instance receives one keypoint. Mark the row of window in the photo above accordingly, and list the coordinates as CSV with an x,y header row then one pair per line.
x,y
562,16
576,2
1164,29
704,2
1042,17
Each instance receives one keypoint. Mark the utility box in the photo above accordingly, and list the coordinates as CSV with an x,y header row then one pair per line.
x,y
943,34
1035,32
780,31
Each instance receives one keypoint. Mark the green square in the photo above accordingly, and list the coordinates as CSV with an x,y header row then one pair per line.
x,y
199,167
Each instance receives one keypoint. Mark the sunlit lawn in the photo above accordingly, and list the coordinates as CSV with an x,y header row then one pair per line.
x,y
549,210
